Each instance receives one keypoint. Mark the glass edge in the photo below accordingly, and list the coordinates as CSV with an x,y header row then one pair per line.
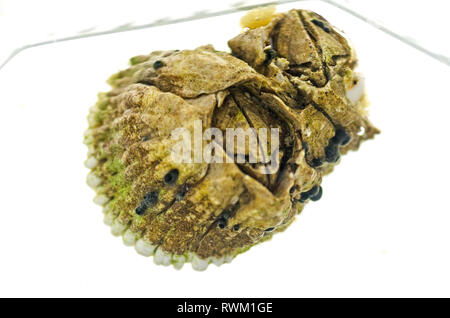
x,y
233,8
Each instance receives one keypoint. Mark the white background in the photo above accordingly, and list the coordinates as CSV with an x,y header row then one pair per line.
x,y
380,229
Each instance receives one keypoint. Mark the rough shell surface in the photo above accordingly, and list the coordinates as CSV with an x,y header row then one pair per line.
x,y
295,73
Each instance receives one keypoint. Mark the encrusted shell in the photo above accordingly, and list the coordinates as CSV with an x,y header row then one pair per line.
x,y
294,73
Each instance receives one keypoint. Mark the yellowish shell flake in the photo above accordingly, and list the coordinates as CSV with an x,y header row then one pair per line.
x,y
258,17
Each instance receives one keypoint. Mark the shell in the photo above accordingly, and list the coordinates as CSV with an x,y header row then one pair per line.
x,y
295,73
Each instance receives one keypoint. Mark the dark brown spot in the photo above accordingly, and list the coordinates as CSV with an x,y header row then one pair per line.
x,y
321,25
316,162
317,196
171,177
341,137
270,55
151,198
308,194
222,223
332,153
158,64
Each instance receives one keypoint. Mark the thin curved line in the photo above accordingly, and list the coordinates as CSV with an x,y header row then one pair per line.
x,y
11,56
129,27
441,58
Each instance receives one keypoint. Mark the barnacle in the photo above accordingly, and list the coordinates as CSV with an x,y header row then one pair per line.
x,y
293,72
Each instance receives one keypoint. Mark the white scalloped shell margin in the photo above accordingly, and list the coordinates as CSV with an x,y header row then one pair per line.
x,y
146,248
160,257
